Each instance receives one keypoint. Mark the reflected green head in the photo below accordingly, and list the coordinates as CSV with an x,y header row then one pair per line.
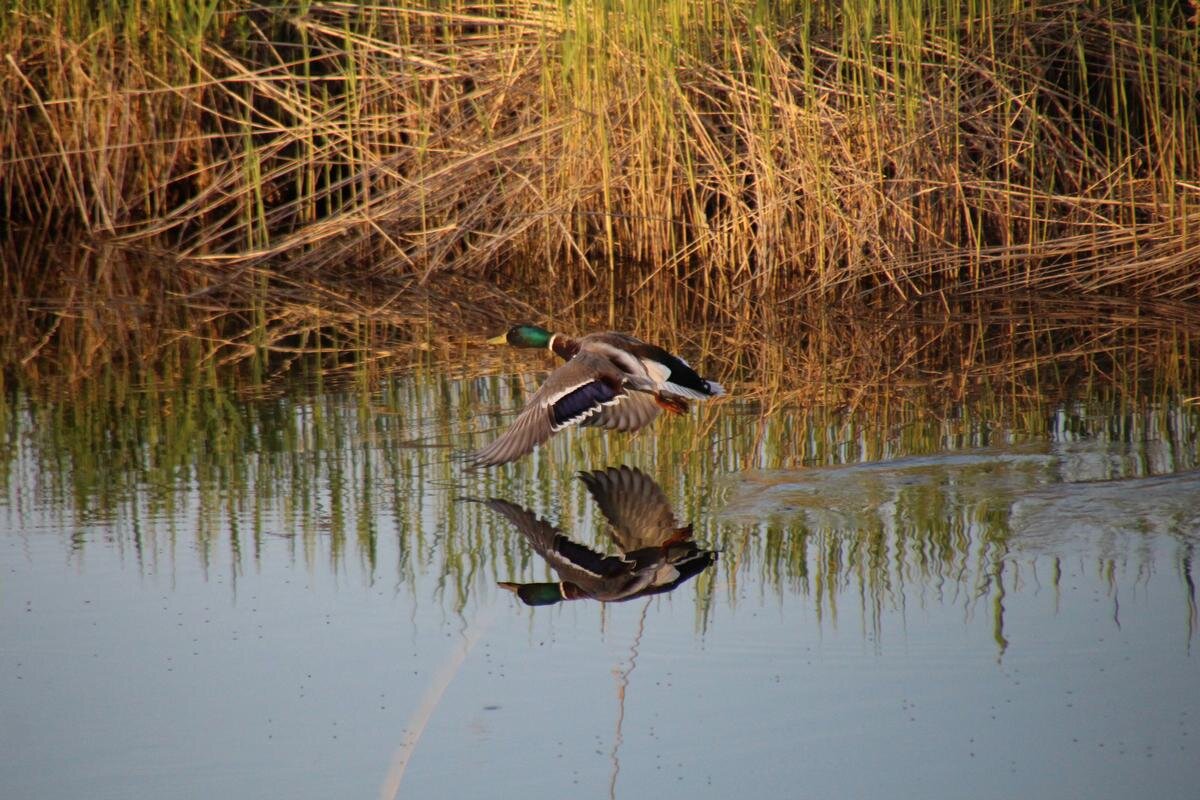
x,y
525,336
536,594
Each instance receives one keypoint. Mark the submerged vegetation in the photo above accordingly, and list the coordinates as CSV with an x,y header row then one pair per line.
x,y
230,182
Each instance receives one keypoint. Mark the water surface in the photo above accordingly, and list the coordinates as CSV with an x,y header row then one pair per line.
x,y
204,593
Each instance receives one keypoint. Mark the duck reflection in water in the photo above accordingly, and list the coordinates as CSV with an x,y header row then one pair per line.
x,y
656,555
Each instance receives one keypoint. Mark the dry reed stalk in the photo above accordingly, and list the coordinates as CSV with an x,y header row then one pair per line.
x,y
706,164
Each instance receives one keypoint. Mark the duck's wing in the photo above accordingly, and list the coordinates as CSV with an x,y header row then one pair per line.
x,y
633,411
572,561
636,508
572,394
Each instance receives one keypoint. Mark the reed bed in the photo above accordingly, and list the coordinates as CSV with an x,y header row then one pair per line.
x,y
252,182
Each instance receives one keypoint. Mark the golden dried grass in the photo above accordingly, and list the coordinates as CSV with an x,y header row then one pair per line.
x,y
278,180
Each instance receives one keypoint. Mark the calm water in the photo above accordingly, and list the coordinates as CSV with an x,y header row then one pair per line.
x,y
209,595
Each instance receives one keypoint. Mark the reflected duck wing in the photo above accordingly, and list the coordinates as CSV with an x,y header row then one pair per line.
x,y
539,533
572,561
572,394
635,506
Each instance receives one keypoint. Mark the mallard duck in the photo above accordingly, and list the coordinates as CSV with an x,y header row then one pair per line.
x,y
611,380
657,554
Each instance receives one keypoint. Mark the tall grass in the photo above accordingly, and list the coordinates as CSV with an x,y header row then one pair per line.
x,y
259,176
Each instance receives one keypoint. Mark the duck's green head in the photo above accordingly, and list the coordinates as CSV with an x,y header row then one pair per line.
x,y
525,336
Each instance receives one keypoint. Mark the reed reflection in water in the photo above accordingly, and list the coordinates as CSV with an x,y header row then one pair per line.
x,y
287,578
878,496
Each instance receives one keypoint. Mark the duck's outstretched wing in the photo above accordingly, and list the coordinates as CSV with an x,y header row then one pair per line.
x,y
572,561
576,392
635,507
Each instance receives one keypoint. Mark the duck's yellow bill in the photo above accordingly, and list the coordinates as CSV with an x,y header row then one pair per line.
x,y
501,339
